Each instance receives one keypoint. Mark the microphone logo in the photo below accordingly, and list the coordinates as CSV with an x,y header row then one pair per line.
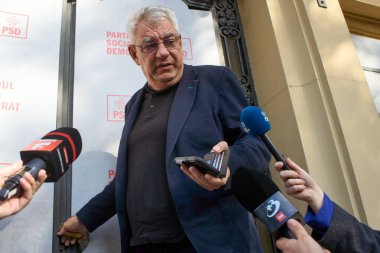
x,y
265,116
43,145
247,130
272,208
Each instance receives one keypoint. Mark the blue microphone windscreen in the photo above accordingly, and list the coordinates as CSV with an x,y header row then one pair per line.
x,y
254,121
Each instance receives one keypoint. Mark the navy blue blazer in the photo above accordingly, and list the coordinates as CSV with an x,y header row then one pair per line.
x,y
205,110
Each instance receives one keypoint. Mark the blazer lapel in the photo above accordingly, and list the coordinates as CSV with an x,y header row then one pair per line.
x,y
182,104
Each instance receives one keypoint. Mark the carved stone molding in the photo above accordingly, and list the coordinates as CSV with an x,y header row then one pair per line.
x,y
227,19
226,14
234,48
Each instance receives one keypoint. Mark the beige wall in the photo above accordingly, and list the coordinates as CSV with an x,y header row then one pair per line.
x,y
310,82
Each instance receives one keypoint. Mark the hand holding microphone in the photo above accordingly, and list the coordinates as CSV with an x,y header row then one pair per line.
x,y
53,153
300,185
302,243
28,184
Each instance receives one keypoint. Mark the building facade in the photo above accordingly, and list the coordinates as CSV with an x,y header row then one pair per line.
x,y
310,81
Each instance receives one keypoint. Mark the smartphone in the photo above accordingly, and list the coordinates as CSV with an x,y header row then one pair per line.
x,y
212,163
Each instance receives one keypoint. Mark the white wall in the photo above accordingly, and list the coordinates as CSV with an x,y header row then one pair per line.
x,y
29,56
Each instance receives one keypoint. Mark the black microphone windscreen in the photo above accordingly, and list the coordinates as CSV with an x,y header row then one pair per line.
x,y
53,153
71,138
58,149
252,187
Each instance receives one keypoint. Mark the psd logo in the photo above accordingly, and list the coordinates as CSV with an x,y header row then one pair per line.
x,y
115,107
111,175
14,25
186,49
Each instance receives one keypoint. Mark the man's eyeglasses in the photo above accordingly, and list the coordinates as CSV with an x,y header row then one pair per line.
x,y
150,47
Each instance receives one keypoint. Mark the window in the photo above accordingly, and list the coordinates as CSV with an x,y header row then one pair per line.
x,y
369,54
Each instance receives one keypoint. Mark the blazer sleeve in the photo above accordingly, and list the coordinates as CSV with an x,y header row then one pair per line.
x,y
246,150
347,234
99,209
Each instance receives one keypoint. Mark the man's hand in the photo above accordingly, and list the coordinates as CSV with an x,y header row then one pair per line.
x,y
208,181
72,231
302,243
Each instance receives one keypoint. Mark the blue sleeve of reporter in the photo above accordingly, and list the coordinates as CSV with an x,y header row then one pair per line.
x,y
320,221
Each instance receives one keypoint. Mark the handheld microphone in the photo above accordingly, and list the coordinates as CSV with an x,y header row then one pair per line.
x,y
260,195
53,153
256,123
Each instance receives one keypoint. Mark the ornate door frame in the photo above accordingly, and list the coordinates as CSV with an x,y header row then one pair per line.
x,y
227,17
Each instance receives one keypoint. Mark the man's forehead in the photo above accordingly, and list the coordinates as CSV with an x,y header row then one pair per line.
x,y
155,30
157,37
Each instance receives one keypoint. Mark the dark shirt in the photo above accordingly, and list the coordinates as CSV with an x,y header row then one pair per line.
x,y
150,208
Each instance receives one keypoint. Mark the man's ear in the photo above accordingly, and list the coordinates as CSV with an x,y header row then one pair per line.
x,y
133,54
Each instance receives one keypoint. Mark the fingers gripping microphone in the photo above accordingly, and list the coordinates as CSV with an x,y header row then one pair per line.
x,y
256,123
261,196
53,153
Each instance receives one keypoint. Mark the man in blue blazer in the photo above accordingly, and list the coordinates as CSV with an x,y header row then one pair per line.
x,y
182,110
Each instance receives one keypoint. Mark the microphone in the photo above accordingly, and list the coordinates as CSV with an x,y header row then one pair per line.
x,y
256,123
260,195
54,152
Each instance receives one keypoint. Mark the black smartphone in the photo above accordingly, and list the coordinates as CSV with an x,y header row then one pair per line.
x,y
212,163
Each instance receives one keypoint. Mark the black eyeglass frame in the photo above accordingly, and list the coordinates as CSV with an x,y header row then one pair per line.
x,y
150,47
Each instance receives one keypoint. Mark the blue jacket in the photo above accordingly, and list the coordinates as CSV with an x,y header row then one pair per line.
x,y
205,110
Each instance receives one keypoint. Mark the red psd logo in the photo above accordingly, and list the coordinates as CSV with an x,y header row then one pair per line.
x,y
186,49
115,107
14,25
111,175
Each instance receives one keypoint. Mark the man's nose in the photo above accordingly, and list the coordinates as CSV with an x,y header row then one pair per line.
x,y
162,51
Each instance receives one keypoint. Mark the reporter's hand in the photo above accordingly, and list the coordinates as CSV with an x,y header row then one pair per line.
x,y
208,181
72,231
28,184
300,185
303,242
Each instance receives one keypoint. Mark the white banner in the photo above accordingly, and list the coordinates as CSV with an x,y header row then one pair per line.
x,y
29,57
